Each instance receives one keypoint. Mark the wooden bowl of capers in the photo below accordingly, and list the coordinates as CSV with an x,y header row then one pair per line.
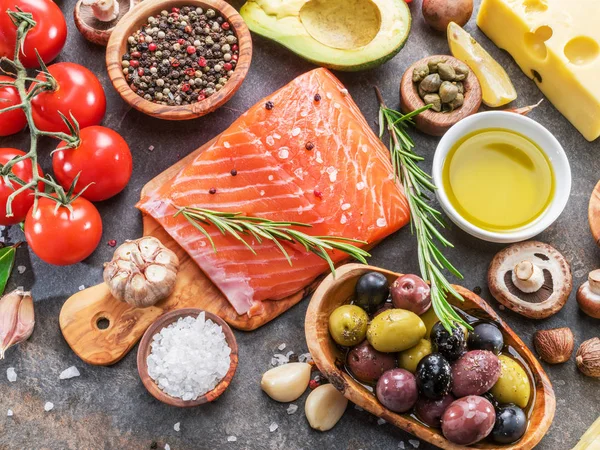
x,y
445,83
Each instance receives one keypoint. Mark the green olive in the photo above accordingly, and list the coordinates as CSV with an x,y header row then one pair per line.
x,y
408,359
395,330
348,325
513,385
429,319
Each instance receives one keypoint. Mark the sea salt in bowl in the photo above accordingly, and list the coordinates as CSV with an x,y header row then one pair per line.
x,y
160,334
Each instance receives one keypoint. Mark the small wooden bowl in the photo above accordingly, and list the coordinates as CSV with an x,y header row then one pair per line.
x,y
133,21
594,213
333,292
145,348
437,123
95,30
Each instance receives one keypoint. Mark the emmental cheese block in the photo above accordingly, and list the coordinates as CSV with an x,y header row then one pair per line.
x,y
557,44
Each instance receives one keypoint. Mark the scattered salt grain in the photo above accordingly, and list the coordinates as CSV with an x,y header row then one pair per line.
x,y
401,445
270,141
82,287
11,374
21,269
329,96
71,372
318,157
226,144
177,426
332,171
231,438
281,347
336,105
360,186
343,219
167,447
262,193
283,152
381,222
344,92
292,409
346,206
273,427
151,148
381,421
305,357
273,362
270,177
295,131
414,443
189,357
358,408
288,354
9,413
280,359
49,406
276,135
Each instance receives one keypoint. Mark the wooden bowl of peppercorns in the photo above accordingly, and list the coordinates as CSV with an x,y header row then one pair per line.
x,y
179,59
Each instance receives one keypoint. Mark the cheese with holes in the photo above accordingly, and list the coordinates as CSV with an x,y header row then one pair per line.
x,y
557,44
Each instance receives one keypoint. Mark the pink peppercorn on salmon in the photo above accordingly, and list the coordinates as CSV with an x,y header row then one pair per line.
x,y
304,154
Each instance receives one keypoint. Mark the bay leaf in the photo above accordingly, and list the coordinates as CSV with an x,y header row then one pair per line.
x,y
7,261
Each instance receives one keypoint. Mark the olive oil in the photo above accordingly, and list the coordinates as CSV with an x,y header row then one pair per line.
x,y
498,180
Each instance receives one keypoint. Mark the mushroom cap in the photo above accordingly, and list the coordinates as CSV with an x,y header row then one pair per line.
x,y
550,298
588,301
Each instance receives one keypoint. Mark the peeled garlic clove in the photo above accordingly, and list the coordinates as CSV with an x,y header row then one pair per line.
x,y
17,319
286,383
324,407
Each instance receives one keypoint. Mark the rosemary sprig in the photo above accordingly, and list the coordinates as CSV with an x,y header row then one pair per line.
x,y
237,225
424,217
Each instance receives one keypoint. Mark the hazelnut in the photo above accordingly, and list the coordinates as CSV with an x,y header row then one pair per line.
x,y
554,346
588,358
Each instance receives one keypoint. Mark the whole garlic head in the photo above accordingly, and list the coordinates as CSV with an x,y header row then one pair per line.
x,y
142,272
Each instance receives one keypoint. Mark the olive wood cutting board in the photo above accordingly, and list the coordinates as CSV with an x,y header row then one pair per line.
x,y
101,329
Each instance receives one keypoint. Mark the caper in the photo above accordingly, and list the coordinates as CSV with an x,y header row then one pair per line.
x,y
446,72
431,83
420,72
421,91
433,64
460,86
461,71
457,102
434,100
448,92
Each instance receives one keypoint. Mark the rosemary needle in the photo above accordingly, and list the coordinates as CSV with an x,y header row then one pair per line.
x,y
424,217
237,224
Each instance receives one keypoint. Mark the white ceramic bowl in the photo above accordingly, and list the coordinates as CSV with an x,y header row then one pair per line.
x,y
534,131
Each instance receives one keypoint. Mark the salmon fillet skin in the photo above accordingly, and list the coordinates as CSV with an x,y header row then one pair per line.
x,y
303,160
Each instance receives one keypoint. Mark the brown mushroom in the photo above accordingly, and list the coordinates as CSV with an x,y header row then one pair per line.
x,y
588,295
531,278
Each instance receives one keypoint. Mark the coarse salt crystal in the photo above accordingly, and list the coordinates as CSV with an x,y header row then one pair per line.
x,y
82,287
318,157
346,206
344,92
71,372
21,269
336,105
303,114
381,222
288,354
295,131
273,362
284,152
381,421
9,413
358,408
49,406
281,347
343,219
360,186
151,148
231,438
226,144
276,135
189,357
11,374
177,426
329,96
262,193
305,357
299,173
270,141
414,443
270,177
273,427
332,171
292,409
401,445
167,447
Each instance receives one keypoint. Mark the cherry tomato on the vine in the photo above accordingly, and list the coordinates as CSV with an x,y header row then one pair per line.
x,y
61,237
78,92
11,122
102,158
48,36
22,202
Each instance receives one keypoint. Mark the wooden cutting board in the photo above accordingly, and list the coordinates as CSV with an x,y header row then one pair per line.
x,y
101,330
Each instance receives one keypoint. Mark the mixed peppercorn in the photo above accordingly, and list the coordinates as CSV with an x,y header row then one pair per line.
x,y
181,57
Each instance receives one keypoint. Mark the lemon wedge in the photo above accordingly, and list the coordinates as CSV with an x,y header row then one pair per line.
x,y
496,87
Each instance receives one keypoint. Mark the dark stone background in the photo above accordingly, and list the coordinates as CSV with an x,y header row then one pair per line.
x,y
108,408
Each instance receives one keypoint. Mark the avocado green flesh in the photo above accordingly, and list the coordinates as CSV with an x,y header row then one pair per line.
x,y
296,25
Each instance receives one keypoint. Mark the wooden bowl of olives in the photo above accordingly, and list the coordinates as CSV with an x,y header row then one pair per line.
x,y
361,360
447,84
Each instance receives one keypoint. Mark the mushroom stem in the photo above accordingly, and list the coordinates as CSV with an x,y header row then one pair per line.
x,y
594,281
528,277
104,10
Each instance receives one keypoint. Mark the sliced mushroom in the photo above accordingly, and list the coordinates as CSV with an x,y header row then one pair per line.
x,y
531,278
588,295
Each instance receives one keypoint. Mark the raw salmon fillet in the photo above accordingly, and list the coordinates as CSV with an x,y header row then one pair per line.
x,y
343,186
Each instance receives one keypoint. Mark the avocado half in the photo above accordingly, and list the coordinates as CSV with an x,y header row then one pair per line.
x,y
346,35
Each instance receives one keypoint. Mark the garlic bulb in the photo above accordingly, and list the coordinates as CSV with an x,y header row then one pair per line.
x,y
16,319
142,272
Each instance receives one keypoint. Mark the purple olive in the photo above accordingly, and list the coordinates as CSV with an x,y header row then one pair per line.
x,y
397,390
367,364
412,293
431,411
468,420
474,373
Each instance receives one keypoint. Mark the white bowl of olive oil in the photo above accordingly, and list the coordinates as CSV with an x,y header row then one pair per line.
x,y
501,177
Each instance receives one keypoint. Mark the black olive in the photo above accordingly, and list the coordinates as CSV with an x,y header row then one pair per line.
x,y
434,376
452,346
372,290
488,396
510,425
486,336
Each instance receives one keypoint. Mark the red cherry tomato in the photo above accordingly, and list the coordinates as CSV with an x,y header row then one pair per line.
x,y
79,92
22,202
11,122
61,237
102,157
48,36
